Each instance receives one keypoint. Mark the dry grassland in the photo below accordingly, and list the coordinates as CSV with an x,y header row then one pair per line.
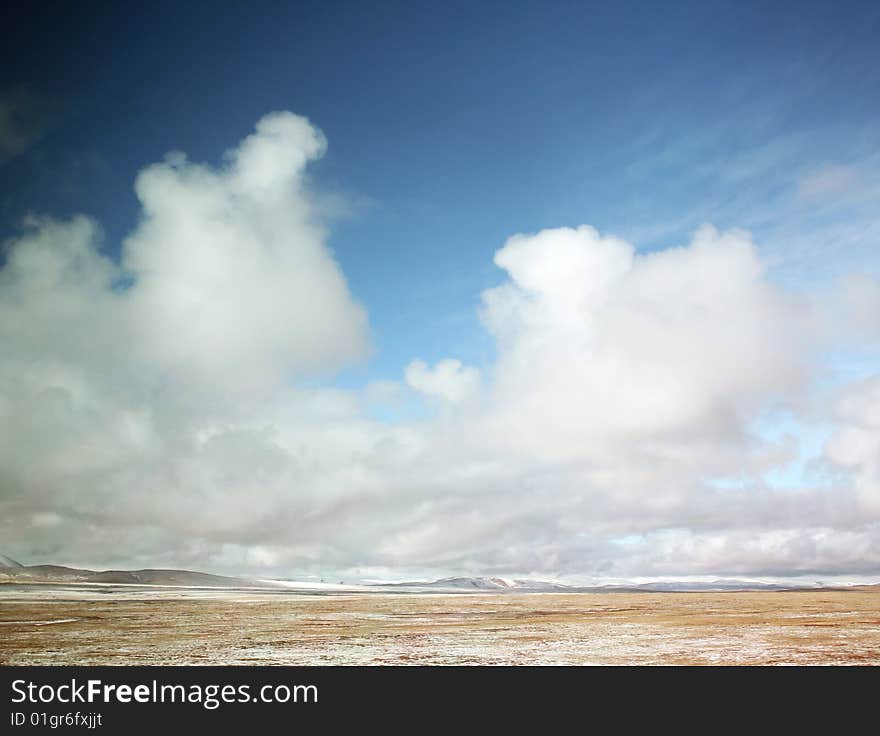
x,y
58,626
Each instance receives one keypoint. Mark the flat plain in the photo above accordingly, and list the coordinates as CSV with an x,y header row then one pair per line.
x,y
118,625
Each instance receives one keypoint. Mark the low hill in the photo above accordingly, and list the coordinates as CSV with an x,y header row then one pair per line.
x,y
61,574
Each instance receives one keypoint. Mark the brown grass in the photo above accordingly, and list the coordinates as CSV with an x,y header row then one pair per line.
x,y
165,627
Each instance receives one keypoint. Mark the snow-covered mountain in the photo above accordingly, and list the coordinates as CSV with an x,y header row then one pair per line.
x,y
489,584
506,585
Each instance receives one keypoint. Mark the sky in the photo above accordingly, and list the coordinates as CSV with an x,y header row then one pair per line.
x,y
581,291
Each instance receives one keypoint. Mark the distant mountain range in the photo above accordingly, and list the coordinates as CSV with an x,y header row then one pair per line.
x,y
59,574
503,585
500,585
12,571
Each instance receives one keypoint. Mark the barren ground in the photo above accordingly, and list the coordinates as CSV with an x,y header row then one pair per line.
x,y
68,625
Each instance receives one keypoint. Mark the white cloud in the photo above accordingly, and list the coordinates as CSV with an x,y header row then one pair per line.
x,y
829,182
855,446
448,380
601,345
113,399
166,422
859,315
235,285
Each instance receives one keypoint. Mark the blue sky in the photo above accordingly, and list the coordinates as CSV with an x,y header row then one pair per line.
x,y
452,127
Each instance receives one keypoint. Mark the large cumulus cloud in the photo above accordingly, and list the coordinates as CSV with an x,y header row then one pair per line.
x,y
154,408
235,284
602,345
